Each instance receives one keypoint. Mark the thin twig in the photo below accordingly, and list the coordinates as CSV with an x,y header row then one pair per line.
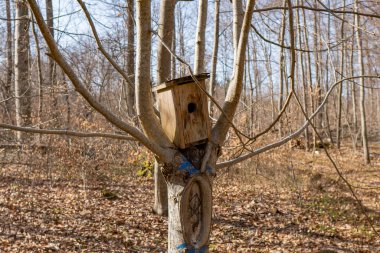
x,y
67,132
100,45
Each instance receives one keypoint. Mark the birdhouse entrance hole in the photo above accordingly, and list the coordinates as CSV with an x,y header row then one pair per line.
x,y
191,107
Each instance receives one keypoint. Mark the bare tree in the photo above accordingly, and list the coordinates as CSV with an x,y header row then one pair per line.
x,y
9,75
50,24
281,41
342,60
362,91
238,16
130,68
214,54
200,37
165,32
190,172
318,69
22,85
302,62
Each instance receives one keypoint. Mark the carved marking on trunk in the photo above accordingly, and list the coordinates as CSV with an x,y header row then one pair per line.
x,y
195,212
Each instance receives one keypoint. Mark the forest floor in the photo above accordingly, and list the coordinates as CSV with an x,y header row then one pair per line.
x,y
287,200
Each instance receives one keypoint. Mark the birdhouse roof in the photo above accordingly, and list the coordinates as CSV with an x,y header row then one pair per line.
x,y
180,81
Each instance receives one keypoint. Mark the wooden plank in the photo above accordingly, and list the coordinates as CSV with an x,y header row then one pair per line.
x,y
195,123
180,81
167,110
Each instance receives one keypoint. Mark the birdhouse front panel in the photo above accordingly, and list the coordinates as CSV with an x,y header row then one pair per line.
x,y
183,111
194,122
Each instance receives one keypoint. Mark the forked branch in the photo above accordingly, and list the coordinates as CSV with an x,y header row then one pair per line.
x,y
111,117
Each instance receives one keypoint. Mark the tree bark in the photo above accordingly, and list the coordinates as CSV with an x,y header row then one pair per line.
x,y
268,67
50,24
309,69
40,77
144,100
160,206
174,48
200,38
362,91
327,78
304,78
281,41
8,82
342,53
353,97
130,68
22,87
190,200
165,31
238,15
214,55
318,86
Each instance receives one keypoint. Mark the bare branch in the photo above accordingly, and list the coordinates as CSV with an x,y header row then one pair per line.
x,y
100,45
294,134
372,15
66,132
144,101
111,117
220,130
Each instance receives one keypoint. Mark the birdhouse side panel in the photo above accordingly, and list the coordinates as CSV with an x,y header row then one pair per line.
x,y
168,103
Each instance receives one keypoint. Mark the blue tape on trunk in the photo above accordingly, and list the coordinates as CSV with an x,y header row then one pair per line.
x,y
187,166
182,246
201,250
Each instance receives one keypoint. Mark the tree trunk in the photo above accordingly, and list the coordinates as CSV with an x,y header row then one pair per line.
x,y
342,53
251,103
200,38
40,77
362,91
189,176
130,68
181,33
304,78
22,88
309,69
160,206
190,202
238,20
318,86
257,76
50,24
8,82
327,75
165,31
214,55
353,97
268,67
174,48
281,40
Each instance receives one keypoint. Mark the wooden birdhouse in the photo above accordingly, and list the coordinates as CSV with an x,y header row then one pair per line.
x,y
184,111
